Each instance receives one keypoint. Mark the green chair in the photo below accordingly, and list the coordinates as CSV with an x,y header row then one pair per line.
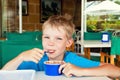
x,y
1,41
19,42
12,49
114,50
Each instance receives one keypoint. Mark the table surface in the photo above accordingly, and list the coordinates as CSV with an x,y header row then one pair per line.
x,y
41,76
94,43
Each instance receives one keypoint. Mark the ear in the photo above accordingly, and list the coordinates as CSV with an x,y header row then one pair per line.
x,y
69,42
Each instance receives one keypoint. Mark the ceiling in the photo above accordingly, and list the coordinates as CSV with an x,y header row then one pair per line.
x,y
95,0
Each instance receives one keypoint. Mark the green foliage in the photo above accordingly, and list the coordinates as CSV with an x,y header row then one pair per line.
x,y
91,25
91,28
93,22
117,22
103,22
118,2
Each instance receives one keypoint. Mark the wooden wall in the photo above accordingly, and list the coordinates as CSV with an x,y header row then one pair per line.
x,y
31,22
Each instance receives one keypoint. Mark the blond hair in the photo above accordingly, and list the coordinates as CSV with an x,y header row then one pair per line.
x,y
59,21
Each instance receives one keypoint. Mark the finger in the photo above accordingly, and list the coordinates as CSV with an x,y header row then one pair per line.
x,y
63,62
34,60
38,56
66,72
66,69
46,52
39,51
69,75
61,67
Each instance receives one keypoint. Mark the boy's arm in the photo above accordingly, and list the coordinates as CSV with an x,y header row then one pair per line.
x,y
103,70
31,55
13,64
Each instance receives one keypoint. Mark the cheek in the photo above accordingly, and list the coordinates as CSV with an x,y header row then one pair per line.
x,y
44,43
62,45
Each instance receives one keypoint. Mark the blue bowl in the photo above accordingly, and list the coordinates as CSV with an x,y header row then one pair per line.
x,y
52,69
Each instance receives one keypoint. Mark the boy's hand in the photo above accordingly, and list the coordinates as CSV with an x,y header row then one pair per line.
x,y
32,55
69,70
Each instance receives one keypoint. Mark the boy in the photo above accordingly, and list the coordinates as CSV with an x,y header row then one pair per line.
x,y
57,35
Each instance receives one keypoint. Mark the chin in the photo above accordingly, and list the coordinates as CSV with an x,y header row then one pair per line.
x,y
51,57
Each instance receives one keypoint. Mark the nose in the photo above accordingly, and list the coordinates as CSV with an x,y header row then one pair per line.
x,y
51,43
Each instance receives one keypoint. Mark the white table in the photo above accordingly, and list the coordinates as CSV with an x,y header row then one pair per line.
x,y
41,76
87,44
94,43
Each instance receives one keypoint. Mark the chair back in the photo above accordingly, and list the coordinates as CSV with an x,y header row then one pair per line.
x,y
77,38
115,43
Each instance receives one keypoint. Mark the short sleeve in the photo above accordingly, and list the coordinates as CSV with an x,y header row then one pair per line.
x,y
80,61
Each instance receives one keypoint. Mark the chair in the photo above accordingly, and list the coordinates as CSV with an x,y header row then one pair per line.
x,y
115,45
114,50
105,55
77,38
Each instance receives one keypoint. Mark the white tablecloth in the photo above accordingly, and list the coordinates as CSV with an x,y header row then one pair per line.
x,y
94,44
32,75
41,76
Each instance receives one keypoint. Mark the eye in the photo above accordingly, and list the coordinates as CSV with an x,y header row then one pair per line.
x,y
46,37
59,39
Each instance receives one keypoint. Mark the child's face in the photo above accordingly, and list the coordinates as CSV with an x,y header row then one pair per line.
x,y
54,42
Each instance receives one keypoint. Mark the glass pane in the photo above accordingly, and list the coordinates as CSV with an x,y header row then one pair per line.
x,y
102,19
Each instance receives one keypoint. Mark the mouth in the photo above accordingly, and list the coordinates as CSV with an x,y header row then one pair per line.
x,y
50,51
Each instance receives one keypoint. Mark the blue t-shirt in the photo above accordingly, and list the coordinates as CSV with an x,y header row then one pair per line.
x,y
68,57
